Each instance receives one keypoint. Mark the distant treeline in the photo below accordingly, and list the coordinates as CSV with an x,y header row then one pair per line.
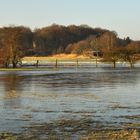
x,y
19,41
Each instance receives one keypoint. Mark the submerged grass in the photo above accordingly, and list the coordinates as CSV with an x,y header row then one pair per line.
x,y
82,129
8,136
130,134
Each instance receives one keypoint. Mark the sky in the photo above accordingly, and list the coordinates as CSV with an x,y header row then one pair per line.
x,y
122,16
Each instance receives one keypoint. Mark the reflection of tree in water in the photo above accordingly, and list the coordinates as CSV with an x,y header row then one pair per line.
x,y
12,85
107,78
120,77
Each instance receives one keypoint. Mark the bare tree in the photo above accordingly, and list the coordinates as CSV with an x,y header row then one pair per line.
x,y
112,55
129,53
15,43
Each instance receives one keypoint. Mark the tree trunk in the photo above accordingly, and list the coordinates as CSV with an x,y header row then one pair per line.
x,y
6,65
114,64
14,64
96,62
131,65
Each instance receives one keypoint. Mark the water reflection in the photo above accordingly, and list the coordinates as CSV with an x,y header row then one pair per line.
x,y
11,94
99,93
86,79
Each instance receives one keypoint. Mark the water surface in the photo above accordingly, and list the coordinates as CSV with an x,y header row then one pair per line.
x,y
111,96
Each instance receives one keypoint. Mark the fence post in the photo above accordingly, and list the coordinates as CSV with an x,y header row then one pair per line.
x,y
77,63
37,63
96,62
56,63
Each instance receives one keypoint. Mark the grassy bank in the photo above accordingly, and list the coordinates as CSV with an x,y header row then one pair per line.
x,y
131,134
64,60
59,57
27,69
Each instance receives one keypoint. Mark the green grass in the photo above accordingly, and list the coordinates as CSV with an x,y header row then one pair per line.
x,y
27,69
63,60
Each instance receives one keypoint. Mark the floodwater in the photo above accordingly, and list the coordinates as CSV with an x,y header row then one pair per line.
x,y
106,95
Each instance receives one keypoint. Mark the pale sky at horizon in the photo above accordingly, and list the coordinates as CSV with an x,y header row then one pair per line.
x,y
119,15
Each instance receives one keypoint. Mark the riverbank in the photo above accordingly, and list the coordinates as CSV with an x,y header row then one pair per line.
x,y
61,61
28,69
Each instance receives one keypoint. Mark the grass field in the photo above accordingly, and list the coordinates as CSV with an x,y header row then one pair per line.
x,y
59,57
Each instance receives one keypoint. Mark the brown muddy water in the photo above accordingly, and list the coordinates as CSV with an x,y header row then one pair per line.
x,y
71,101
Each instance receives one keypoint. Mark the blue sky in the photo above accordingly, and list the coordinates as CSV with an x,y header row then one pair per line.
x,y
119,15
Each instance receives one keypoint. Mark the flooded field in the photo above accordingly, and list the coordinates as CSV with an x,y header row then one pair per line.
x,y
69,101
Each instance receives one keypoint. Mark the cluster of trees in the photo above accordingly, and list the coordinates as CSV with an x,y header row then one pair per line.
x,y
17,42
128,53
112,48
56,38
